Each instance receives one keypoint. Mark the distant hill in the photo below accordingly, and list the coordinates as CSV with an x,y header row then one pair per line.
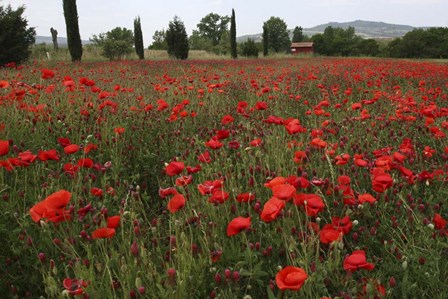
x,y
366,29
62,41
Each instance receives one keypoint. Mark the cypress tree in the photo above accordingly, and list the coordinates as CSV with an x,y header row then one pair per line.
x,y
177,39
71,23
233,50
138,39
265,41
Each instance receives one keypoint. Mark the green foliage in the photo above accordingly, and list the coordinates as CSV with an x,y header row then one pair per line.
x,y
73,36
16,38
420,43
197,42
212,27
369,47
337,41
233,45
277,33
394,48
297,35
138,39
115,43
249,49
265,41
177,39
159,40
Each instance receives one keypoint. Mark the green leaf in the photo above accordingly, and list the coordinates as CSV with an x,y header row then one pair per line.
x,y
270,293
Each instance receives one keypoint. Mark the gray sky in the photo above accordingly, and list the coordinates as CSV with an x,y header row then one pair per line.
x,y
96,16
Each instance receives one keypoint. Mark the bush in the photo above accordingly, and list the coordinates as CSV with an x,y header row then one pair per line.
x,y
249,49
16,38
115,43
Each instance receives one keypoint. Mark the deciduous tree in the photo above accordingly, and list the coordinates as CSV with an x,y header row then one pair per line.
x,y
159,40
212,27
115,43
277,32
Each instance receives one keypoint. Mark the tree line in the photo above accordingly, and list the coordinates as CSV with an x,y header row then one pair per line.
x,y
214,35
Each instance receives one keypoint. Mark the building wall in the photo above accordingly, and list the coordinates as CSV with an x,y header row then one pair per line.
x,y
302,50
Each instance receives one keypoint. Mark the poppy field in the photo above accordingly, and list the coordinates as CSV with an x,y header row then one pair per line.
x,y
269,178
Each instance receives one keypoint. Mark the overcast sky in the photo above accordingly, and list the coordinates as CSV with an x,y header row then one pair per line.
x,y
96,16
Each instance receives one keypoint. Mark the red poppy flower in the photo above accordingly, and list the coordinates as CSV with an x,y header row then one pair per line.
x,y
205,157
283,191
218,196
119,130
176,203
58,200
113,221
96,192
275,181
164,192
227,119
103,233
48,155
184,180
439,222
342,223
4,147
52,208
174,168
27,158
85,162
313,203
362,198
70,169
193,169
319,143
162,105
74,286
71,149
272,209
4,84
361,163
344,180
90,147
256,142
299,157
261,105
342,159
237,225
245,197
213,144
290,278
47,74
382,182
293,127
357,260
329,234
222,134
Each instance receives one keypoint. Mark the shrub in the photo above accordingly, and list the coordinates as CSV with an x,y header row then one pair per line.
x,y
16,38
249,49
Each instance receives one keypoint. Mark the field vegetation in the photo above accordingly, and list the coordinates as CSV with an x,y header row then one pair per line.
x,y
249,178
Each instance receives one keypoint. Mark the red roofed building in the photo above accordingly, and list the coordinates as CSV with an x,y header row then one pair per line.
x,y
302,48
